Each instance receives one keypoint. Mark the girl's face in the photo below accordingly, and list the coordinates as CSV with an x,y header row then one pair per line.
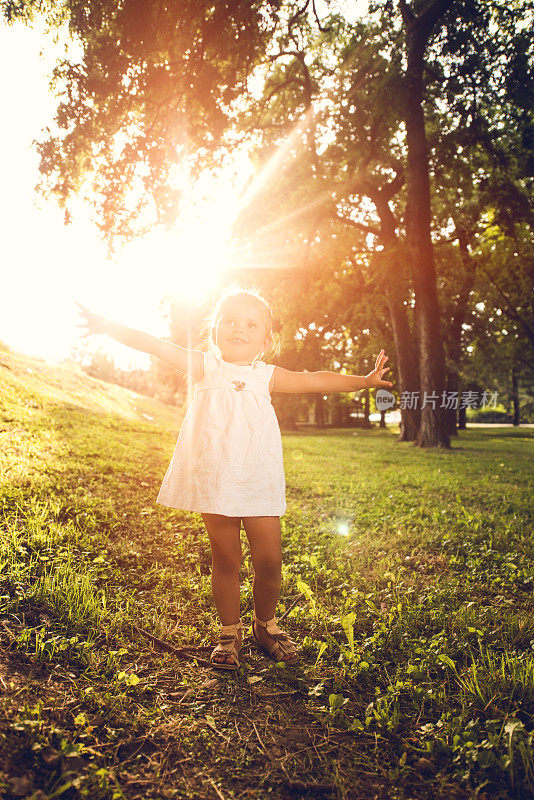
x,y
241,330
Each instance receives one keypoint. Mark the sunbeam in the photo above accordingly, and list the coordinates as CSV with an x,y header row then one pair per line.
x,y
272,166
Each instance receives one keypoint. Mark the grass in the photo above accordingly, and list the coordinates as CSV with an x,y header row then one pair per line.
x,y
407,579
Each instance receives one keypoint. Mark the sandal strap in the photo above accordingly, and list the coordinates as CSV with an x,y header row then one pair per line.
x,y
283,643
270,626
231,630
227,641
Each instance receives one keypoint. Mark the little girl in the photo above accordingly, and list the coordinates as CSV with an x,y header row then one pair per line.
x,y
227,463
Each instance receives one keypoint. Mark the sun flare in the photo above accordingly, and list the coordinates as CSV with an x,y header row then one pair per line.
x,y
52,266
190,259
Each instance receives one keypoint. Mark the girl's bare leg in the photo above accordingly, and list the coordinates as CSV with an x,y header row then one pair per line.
x,y
264,537
225,559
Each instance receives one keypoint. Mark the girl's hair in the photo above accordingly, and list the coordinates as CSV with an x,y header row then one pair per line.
x,y
274,349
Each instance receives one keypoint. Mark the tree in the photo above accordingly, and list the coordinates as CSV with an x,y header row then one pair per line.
x,y
147,103
366,124
434,429
370,158
359,119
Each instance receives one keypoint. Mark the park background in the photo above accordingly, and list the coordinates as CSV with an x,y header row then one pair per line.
x,y
369,169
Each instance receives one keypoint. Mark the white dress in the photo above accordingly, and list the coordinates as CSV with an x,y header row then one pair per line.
x,y
228,457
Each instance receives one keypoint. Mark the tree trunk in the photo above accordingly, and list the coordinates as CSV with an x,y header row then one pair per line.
x,y
454,332
453,386
382,419
366,408
319,411
407,373
337,419
462,419
286,411
396,291
434,428
515,394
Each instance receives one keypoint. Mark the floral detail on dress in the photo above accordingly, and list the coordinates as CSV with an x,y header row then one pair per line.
x,y
239,385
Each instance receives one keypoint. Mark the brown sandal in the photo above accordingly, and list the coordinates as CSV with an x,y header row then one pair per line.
x,y
228,639
283,645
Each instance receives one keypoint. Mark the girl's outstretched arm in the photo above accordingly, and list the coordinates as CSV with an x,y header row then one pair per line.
x,y
181,358
284,380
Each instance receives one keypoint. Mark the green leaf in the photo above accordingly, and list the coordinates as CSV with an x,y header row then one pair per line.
x,y
335,701
348,626
322,648
303,587
446,660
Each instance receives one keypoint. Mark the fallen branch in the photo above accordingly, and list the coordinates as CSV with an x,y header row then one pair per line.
x,y
186,653
291,607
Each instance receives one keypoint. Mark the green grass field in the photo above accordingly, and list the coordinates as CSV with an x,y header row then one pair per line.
x,y
408,580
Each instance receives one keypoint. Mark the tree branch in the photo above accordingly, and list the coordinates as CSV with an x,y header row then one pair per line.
x,y
276,56
360,225
298,13
323,30
421,26
510,309
390,189
434,12
407,13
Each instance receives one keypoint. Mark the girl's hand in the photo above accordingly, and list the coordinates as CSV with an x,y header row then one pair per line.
x,y
374,378
92,323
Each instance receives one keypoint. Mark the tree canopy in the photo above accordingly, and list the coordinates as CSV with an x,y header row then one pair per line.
x,y
399,148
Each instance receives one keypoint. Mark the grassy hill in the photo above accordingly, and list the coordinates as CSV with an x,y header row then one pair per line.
x,y
408,581
33,382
